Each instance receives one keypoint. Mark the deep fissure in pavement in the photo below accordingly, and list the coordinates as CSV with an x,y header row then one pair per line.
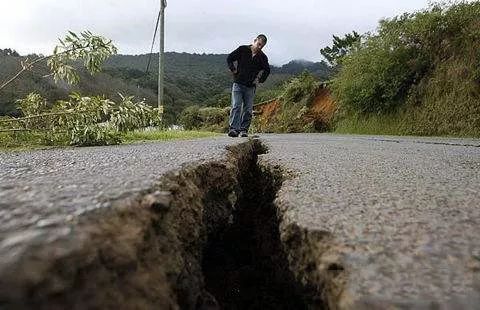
x,y
244,264
204,237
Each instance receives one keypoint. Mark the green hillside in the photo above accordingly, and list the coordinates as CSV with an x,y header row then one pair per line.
x,y
38,81
190,79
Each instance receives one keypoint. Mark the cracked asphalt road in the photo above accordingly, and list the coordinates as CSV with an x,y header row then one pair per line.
x,y
405,211
47,187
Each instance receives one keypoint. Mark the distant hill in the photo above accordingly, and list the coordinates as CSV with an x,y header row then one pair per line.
x,y
201,79
319,69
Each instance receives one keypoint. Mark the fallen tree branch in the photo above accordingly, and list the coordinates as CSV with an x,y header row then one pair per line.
x,y
31,129
25,67
15,130
11,120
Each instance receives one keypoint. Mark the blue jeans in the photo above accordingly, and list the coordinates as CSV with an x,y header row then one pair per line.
x,y
242,107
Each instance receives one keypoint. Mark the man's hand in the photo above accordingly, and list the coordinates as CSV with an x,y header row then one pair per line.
x,y
234,71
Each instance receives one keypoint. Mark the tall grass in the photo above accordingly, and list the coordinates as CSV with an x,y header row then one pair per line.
x,y
391,124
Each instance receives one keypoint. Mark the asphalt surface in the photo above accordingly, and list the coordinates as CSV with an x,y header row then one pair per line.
x,y
407,210
47,187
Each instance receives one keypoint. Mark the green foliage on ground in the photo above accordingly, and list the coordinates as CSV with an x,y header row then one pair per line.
x,y
39,81
20,76
31,140
81,121
300,89
419,75
23,141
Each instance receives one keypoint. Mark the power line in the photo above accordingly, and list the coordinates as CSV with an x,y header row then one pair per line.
x,y
161,56
153,41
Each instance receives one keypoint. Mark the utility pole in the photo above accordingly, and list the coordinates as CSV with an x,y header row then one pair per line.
x,y
161,56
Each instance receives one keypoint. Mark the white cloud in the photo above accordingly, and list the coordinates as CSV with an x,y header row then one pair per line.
x,y
296,29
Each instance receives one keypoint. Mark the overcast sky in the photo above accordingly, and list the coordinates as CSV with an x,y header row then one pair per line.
x,y
296,29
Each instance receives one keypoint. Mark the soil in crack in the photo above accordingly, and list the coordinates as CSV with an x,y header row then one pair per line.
x,y
244,266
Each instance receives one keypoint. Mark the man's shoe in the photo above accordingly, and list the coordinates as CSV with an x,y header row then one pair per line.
x,y
233,133
244,134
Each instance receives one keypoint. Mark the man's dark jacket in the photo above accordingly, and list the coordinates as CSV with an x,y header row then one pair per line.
x,y
248,67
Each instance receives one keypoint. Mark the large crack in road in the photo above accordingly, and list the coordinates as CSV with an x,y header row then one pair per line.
x,y
355,224
207,236
244,265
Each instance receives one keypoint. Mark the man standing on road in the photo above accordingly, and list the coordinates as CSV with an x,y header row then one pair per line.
x,y
249,66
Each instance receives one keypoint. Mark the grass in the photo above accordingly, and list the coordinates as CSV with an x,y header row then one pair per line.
x,y
22,141
372,125
412,122
445,105
30,141
163,135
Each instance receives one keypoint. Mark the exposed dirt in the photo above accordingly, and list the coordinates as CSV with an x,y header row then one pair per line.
x,y
206,237
265,112
320,112
313,258
245,266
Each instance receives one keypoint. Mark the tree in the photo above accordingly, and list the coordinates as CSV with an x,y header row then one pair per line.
x,y
91,49
340,47
9,52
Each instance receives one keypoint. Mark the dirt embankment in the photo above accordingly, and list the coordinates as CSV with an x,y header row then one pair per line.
x,y
320,111
208,236
265,113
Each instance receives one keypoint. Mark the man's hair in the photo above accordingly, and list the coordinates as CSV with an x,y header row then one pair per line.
x,y
262,37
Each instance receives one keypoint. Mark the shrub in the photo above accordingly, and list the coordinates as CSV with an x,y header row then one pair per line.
x,y
190,117
300,89
80,120
295,101
382,73
208,118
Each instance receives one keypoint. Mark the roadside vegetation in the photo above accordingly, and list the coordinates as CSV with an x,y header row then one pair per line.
x,y
205,118
291,108
419,74
31,141
79,120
